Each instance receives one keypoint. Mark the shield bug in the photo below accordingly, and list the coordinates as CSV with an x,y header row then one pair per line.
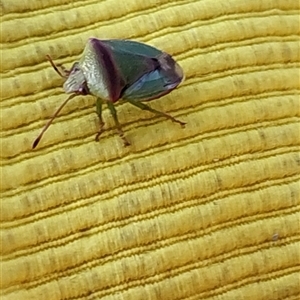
x,y
119,69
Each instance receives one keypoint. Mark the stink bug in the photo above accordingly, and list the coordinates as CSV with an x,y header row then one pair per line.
x,y
119,69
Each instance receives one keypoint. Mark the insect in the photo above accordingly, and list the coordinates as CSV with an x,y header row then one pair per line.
x,y
118,69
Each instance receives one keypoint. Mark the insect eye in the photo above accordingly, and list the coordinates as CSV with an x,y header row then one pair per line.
x,y
75,68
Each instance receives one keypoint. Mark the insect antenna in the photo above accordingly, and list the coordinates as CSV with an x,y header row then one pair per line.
x,y
37,140
55,67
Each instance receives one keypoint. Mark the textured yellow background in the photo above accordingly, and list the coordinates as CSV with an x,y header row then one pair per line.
x,y
206,212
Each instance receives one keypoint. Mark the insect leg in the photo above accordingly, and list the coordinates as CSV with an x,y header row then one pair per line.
x,y
118,125
99,113
157,112
37,140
